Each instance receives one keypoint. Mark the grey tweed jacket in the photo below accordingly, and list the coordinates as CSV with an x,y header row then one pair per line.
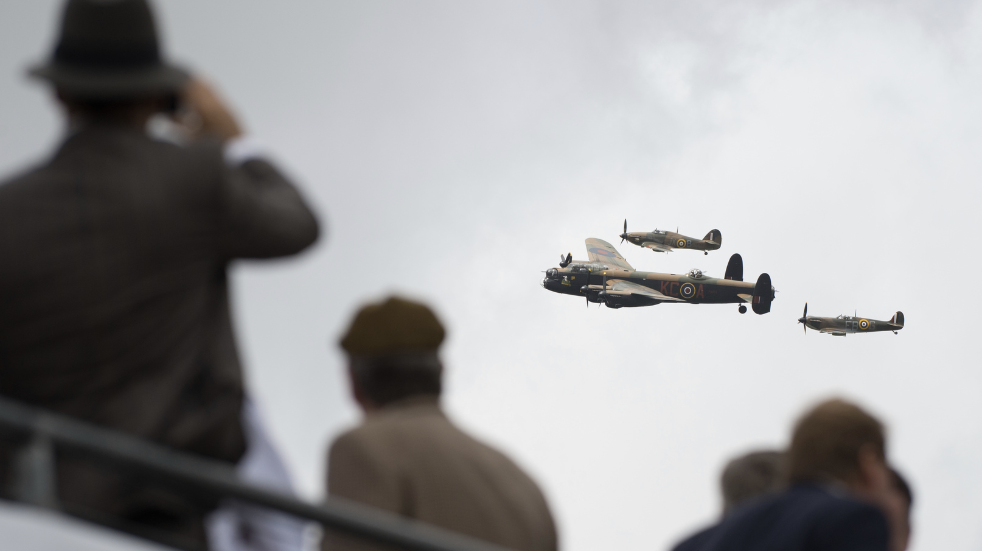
x,y
113,290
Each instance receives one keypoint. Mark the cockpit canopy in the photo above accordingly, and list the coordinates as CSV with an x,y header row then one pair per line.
x,y
660,232
584,267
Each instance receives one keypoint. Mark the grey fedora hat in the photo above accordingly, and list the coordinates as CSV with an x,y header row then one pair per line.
x,y
109,49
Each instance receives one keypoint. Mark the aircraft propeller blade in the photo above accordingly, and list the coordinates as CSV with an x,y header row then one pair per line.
x,y
624,235
804,319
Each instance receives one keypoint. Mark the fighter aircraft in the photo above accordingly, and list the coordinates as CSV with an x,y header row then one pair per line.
x,y
841,325
662,241
608,279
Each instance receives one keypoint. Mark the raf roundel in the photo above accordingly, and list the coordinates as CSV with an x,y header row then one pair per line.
x,y
864,324
680,243
687,290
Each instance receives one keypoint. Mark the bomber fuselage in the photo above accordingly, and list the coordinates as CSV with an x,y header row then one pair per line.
x,y
582,278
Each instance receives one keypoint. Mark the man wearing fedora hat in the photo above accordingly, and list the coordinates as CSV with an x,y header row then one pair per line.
x,y
407,457
114,302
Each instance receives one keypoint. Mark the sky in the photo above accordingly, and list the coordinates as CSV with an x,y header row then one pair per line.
x,y
454,150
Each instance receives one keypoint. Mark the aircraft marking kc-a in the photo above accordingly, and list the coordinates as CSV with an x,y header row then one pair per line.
x,y
842,325
607,278
666,241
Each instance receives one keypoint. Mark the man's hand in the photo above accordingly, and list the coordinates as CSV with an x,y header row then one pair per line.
x,y
203,113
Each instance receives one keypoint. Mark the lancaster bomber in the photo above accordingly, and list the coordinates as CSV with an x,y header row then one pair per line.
x,y
841,325
608,279
665,241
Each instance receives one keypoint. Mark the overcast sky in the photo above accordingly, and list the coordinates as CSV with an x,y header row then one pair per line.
x,y
455,149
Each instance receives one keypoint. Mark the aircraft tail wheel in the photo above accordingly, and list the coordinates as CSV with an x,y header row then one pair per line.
x,y
705,252
742,309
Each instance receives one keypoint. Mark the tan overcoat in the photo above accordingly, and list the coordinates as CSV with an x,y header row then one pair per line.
x,y
411,460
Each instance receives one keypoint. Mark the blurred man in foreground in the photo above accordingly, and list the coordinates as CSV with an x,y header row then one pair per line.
x,y
839,483
898,506
751,476
113,261
407,457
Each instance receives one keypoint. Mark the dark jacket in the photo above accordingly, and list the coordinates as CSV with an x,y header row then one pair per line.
x,y
804,518
113,289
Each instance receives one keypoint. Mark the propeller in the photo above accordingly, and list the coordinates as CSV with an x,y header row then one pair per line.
x,y
804,318
624,235
565,260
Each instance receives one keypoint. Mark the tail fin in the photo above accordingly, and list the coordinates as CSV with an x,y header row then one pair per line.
x,y
898,319
734,268
715,236
763,295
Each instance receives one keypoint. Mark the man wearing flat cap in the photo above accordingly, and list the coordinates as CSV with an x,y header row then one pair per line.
x,y
114,304
408,458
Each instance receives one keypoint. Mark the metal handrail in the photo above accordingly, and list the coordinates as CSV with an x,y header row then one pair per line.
x,y
43,431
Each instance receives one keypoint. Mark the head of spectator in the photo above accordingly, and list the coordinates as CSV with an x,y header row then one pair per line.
x,y
107,66
392,348
751,475
897,506
839,443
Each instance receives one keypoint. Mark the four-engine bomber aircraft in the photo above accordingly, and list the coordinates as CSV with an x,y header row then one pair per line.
x,y
841,325
608,279
665,241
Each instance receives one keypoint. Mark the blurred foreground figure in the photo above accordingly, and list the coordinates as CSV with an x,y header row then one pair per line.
x,y
408,458
840,484
898,505
113,259
751,476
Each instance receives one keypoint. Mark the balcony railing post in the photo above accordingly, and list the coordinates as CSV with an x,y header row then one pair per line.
x,y
34,472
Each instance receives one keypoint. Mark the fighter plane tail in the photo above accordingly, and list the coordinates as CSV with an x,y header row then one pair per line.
x,y
763,295
714,236
898,319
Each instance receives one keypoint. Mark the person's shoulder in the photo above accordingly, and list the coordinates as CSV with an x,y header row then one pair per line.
x,y
827,499
844,518
206,153
696,541
838,520
384,429
23,177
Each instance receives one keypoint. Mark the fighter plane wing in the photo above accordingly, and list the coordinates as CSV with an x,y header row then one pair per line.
x,y
657,247
601,251
620,286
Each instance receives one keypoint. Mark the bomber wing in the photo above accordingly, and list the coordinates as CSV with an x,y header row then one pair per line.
x,y
620,286
657,247
601,251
